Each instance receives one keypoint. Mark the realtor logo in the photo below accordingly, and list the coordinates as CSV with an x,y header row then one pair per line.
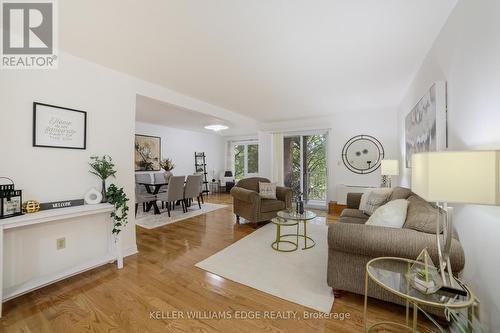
x,y
28,34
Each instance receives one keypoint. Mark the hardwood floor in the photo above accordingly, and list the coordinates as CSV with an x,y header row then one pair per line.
x,y
163,278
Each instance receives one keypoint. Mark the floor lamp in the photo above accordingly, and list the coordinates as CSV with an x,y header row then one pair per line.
x,y
466,177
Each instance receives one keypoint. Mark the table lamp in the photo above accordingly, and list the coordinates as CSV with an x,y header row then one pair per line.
x,y
466,177
388,169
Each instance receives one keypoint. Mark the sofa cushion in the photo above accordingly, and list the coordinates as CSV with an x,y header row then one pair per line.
x,y
355,220
364,198
400,193
421,215
267,190
374,201
391,215
356,213
270,205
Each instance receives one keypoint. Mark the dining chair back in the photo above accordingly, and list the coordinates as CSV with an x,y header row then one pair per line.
x,y
159,177
141,194
193,188
175,189
175,192
141,178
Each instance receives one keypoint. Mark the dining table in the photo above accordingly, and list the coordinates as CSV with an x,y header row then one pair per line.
x,y
153,189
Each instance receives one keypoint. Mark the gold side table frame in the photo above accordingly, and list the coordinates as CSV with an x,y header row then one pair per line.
x,y
280,222
415,302
290,218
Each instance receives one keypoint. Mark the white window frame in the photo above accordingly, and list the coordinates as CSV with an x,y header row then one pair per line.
x,y
245,145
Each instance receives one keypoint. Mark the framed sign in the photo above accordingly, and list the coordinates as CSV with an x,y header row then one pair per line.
x,y
58,127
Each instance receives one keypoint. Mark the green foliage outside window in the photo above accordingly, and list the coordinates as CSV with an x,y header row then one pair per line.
x,y
239,161
252,167
315,165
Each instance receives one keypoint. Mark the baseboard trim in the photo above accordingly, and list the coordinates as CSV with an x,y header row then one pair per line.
x,y
130,251
42,281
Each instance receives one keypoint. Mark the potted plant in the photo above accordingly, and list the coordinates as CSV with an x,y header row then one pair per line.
x,y
102,167
167,165
118,198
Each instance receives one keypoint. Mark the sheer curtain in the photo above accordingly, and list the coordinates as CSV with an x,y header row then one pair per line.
x,y
230,156
277,158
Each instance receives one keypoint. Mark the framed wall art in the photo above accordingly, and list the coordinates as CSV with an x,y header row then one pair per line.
x,y
59,127
425,125
147,153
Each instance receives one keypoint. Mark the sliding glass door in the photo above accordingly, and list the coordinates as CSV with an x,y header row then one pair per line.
x,y
305,167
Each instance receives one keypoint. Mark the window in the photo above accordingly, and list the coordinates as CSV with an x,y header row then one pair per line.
x,y
246,160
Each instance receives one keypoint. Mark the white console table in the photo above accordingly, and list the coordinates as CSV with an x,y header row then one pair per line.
x,y
114,248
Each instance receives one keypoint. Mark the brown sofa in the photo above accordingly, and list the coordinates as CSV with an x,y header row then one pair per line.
x,y
248,204
351,243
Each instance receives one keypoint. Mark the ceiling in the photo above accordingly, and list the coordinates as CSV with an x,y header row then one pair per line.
x,y
153,111
271,60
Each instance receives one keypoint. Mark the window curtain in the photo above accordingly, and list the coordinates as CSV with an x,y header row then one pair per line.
x,y
277,158
230,156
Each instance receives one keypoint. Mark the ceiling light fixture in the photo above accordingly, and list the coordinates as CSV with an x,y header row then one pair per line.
x,y
216,128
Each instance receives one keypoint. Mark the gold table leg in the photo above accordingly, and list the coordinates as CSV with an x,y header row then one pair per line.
x,y
278,234
407,313
366,303
305,234
415,314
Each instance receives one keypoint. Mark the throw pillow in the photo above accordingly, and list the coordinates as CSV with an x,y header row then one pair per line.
x,y
364,197
392,214
400,193
422,216
267,190
374,201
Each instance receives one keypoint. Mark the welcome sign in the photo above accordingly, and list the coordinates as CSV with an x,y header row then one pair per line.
x,y
58,127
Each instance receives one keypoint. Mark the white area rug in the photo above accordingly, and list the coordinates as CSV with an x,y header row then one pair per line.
x,y
150,221
298,277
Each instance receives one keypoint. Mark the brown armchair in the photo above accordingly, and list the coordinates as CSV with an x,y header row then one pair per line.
x,y
248,204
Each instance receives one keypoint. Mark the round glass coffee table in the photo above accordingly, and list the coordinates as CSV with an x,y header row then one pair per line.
x,y
291,218
390,274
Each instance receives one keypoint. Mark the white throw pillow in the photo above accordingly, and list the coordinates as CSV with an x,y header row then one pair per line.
x,y
392,214
364,197
267,190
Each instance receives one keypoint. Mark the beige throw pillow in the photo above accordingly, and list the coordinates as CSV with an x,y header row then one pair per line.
x,y
374,201
364,197
392,214
422,216
267,190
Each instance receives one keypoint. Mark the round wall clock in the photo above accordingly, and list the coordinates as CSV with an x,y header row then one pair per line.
x,y
363,154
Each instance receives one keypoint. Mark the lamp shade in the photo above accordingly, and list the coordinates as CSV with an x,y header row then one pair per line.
x,y
228,174
389,168
457,176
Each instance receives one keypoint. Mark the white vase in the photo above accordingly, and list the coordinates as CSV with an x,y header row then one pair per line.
x,y
93,197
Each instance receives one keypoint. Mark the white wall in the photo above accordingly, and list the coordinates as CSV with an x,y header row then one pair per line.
x,y
47,174
467,55
382,124
180,145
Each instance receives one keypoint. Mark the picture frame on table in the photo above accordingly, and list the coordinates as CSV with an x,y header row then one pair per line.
x,y
59,127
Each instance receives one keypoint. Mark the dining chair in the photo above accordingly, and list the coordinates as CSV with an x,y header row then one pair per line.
x,y
141,194
175,192
201,185
159,178
193,189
